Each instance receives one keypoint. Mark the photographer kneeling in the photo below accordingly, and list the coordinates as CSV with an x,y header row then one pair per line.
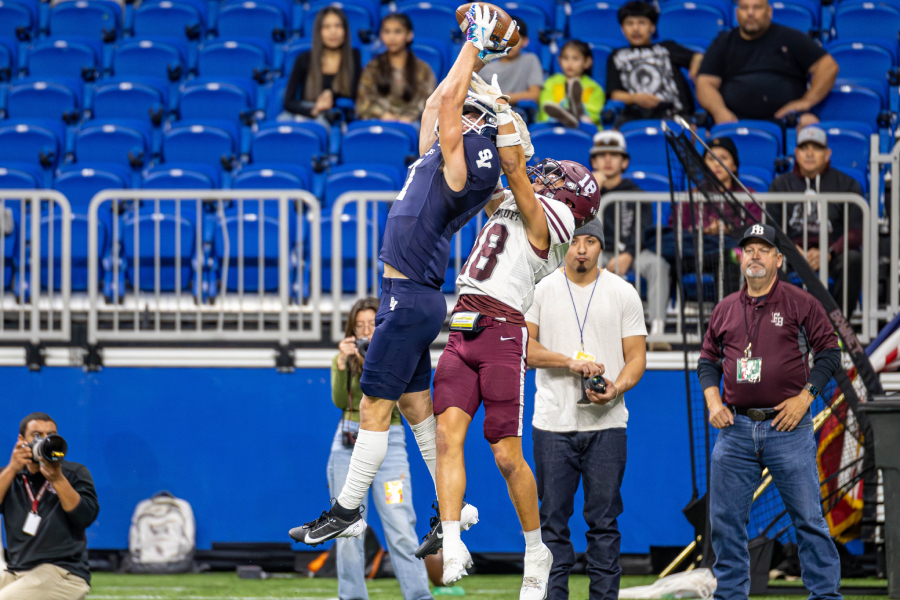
x,y
46,503
392,488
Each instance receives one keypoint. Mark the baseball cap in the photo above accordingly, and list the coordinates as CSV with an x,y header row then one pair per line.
x,y
609,141
728,144
813,134
594,228
760,231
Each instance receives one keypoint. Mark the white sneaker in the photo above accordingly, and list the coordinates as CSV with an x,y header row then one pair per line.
x,y
456,561
467,517
537,574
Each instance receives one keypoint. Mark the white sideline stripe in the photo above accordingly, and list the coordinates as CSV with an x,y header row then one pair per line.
x,y
148,597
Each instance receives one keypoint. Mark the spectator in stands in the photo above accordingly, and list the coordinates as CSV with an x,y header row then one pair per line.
x,y
609,159
329,71
392,488
759,70
519,73
395,85
46,507
813,174
572,97
647,77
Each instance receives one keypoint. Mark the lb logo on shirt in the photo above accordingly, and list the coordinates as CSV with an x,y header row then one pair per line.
x,y
777,319
393,492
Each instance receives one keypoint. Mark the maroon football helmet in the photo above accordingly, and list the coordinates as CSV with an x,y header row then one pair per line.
x,y
570,183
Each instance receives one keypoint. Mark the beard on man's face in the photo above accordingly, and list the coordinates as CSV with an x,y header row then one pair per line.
x,y
580,268
758,273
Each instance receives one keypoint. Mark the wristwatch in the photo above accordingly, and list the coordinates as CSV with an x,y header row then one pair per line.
x,y
813,390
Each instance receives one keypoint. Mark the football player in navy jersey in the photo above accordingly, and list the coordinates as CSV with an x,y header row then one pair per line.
x,y
450,183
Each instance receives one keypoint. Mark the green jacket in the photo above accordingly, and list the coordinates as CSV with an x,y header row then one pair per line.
x,y
554,90
339,394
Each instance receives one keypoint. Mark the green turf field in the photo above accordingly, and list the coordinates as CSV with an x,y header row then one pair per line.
x,y
226,586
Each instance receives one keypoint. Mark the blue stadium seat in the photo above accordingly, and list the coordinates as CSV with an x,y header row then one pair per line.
x,y
79,231
646,141
199,143
533,15
44,99
100,19
845,100
80,184
859,176
560,143
597,19
363,24
289,53
352,178
17,21
70,58
601,52
798,16
649,181
206,99
272,176
756,178
433,20
230,279
9,58
302,144
118,141
348,253
147,224
866,65
234,58
849,148
756,143
140,98
872,20
203,8
433,52
406,128
15,176
377,144
172,176
32,141
687,19
252,19
150,58
169,19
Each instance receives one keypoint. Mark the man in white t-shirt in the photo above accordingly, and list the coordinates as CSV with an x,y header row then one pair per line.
x,y
584,319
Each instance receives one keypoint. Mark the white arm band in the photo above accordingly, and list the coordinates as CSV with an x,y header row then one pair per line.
x,y
504,118
509,139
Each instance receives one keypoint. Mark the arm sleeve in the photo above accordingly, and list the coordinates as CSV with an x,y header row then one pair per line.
x,y
709,373
714,59
633,314
711,349
292,92
613,77
366,105
560,222
88,508
826,365
339,385
595,100
820,332
678,54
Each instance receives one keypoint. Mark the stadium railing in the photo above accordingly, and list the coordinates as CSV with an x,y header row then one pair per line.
x,y
206,282
877,160
865,315
35,293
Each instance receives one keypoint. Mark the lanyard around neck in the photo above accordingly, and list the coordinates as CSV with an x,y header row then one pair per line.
x,y
580,323
31,496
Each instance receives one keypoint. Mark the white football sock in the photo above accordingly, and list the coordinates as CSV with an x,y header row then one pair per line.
x,y
368,454
451,536
533,541
425,433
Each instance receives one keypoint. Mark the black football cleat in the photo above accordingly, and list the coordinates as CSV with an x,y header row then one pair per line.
x,y
327,527
434,539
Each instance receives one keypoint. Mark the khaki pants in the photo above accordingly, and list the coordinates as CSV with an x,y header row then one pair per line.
x,y
45,582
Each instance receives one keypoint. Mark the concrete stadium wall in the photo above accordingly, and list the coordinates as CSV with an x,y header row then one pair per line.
x,y
248,448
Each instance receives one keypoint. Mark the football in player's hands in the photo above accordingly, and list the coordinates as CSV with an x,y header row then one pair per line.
x,y
503,23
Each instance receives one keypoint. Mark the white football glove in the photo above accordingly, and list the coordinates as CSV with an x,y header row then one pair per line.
x,y
481,88
522,129
481,26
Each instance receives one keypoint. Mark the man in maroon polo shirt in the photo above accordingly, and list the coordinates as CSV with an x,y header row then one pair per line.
x,y
760,338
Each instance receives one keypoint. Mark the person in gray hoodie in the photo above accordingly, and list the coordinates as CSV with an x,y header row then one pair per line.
x,y
813,174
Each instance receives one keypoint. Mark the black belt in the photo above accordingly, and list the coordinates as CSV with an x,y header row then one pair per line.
x,y
755,414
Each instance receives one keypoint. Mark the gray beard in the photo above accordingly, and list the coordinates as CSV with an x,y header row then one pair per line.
x,y
761,274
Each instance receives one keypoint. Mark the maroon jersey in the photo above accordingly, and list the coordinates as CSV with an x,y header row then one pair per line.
x,y
786,325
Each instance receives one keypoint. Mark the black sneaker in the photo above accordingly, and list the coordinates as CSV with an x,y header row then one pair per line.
x,y
434,539
327,527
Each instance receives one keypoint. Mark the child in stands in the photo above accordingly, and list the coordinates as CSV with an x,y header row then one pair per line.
x,y
572,97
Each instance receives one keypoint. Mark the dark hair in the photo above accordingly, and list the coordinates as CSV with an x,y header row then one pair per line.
x,y
35,416
384,71
728,144
523,26
343,78
354,364
585,52
638,8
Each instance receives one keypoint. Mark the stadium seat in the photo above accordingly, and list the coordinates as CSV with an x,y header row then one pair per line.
x,y
348,254
560,143
533,15
377,145
252,19
357,178
872,20
150,58
169,19
140,98
148,224
597,19
16,21
80,184
434,53
70,58
199,143
860,176
850,101
79,231
866,65
431,19
43,99
303,144
649,181
9,58
99,19
601,52
363,23
272,176
205,99
289,53
688,19
756,178
174,177
32,141
231,279
118,141
798,16
234,58
19,177
849,148
757,143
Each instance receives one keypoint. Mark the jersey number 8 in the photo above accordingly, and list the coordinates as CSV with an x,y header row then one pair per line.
x,y
483,259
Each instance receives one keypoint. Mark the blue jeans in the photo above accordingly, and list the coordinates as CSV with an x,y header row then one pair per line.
x,y
740,454
397,517
597,459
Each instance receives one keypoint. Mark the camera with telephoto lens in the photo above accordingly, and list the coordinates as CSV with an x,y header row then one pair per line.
x,y
362,345
595,384
52,448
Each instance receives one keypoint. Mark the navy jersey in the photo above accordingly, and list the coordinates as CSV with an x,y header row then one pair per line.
x,y
427,212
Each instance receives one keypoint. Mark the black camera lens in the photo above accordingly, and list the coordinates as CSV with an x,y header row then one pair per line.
x,y
597,384
52,448
362,345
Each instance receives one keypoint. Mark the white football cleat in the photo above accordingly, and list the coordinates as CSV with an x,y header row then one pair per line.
x,y
467,517
537,574
456,561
